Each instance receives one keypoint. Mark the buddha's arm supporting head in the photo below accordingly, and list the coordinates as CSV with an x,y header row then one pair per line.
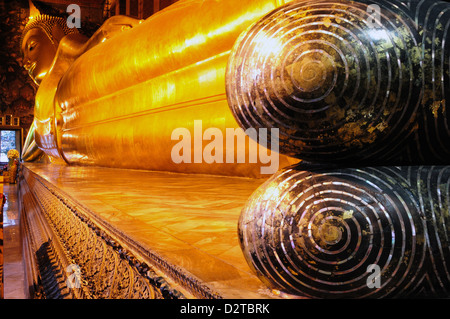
x,y
39,43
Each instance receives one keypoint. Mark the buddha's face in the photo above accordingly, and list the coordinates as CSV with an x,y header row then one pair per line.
x,y
38,54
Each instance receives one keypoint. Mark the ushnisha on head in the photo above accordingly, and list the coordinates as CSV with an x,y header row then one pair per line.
x,y
39,43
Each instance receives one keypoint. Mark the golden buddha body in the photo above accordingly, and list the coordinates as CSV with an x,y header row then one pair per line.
x,y
118,98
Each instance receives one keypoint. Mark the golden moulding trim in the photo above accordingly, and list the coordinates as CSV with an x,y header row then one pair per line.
x,y
108,270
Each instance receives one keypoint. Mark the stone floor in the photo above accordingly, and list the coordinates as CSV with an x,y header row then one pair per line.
x,y
14,276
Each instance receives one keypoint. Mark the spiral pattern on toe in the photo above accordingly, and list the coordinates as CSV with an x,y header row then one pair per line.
x,y
349,90
317,234
337,83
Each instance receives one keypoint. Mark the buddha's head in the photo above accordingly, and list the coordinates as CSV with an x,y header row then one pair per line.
x,y
39,43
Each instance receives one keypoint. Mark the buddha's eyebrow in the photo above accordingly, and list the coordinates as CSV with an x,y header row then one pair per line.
x,y
24,45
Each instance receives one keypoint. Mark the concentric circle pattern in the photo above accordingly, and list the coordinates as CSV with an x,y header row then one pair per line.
x,y
431,143
340,83
323,234
347,87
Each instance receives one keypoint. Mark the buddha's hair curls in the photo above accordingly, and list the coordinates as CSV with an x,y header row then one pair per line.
x,y
46,23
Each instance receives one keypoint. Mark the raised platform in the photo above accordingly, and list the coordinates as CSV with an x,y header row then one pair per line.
x,y
183,226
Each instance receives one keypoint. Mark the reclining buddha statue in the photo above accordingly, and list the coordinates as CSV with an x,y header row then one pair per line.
x,y
168,94
356,90
40,45
120,97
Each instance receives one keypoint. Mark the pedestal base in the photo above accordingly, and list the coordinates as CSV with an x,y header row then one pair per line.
x,y
134,234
